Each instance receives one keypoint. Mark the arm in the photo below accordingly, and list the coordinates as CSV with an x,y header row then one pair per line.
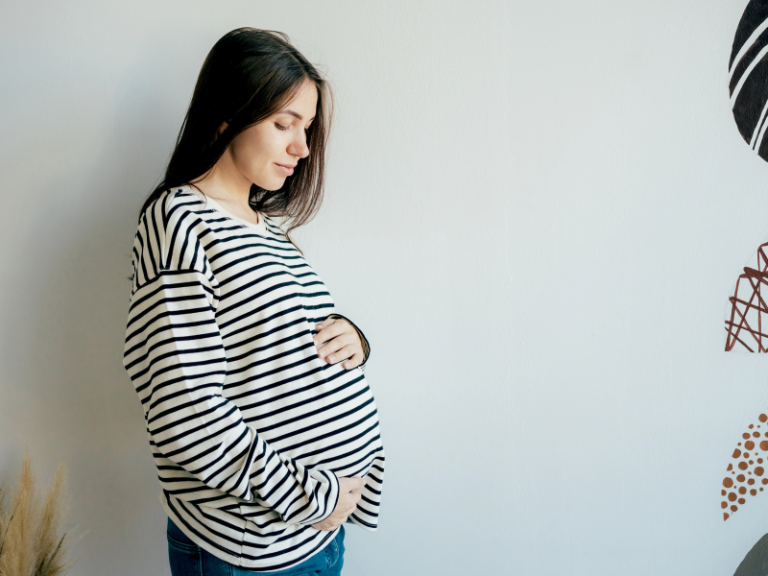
x,y
175,356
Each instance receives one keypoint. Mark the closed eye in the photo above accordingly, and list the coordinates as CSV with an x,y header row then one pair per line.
x,y
280,127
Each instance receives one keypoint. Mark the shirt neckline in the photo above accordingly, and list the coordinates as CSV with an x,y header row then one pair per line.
x,y
260,227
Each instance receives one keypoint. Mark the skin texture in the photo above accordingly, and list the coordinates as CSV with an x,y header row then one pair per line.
x,y
251,158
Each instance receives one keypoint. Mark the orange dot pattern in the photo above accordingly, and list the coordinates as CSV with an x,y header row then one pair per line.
x,y
746,473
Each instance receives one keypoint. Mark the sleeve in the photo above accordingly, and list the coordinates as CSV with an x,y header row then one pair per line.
x,y
363,339
175,356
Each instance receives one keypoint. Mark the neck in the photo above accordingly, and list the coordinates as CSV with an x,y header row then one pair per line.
x,y
224,182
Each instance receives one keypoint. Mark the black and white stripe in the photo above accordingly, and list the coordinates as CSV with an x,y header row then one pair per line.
x,y
250,430
748,83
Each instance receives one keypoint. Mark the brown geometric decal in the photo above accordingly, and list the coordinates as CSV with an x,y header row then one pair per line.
x,y
749,309
747,473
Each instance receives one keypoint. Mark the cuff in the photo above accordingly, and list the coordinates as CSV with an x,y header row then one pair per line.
x,y
331,500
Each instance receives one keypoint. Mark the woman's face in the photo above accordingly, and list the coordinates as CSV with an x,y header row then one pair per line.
x,y
259,151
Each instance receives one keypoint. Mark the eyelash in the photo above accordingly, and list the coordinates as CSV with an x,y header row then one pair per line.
x,y
279,127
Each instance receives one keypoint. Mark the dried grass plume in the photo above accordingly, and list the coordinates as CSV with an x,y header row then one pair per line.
x,y
31,543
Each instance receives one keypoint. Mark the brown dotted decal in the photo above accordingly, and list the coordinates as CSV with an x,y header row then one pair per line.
x,y
745,468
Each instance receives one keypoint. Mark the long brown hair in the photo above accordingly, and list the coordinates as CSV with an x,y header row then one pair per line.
x,y
248,75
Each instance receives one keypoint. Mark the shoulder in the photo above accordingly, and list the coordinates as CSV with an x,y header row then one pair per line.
x,y
169,233
174,206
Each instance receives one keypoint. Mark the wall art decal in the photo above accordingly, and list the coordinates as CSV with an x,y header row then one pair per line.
x,y
748,69
755,563
748,89
746,474
747,325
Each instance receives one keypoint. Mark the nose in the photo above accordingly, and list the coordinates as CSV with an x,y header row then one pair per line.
x,y
298,146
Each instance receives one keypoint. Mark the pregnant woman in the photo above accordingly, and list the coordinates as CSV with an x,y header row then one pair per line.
x,y
263,429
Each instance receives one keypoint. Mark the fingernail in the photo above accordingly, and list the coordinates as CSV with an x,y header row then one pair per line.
x,y
332,358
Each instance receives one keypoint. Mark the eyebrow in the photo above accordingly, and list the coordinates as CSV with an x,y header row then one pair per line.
x,y
296,114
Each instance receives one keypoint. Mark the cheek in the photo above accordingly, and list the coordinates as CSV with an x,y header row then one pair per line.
x,y
255,152
246,156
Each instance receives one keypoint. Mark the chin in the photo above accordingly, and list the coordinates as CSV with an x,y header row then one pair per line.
x,y
272,186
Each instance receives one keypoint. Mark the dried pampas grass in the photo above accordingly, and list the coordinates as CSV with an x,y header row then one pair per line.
x,y
30,543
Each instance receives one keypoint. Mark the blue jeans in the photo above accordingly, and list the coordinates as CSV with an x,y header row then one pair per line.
x,y
189,559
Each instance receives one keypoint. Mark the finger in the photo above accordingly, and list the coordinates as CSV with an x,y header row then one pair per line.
x,y
332,327
326,330
354,361
333,346
324,324
359,482
330,347
343,353
327,324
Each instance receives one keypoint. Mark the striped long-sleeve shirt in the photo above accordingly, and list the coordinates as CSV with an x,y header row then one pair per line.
x,y
250,430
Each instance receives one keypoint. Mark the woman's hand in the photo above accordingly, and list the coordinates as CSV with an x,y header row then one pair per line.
x,y
350,491
342,342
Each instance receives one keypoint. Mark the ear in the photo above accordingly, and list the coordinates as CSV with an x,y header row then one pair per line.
x,y
223,127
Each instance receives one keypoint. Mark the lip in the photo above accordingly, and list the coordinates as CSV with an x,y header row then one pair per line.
x,y
285,169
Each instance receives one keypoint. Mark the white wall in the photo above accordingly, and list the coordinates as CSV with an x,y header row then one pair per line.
x,y
535,211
